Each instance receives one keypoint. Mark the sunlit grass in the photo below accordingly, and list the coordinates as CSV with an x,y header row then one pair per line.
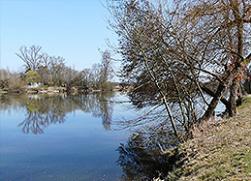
x,y
221,153
246,102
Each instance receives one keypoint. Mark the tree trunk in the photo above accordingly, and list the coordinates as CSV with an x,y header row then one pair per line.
x,y
68,89
214,102
230,75
233,97
212,94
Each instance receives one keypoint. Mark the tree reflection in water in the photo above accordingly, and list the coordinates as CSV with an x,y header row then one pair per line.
x,y
140,159
144,156
44,110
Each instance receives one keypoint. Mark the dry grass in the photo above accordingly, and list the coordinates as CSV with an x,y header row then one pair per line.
x,y
221,153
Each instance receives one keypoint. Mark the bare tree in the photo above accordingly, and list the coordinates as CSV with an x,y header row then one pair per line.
x,y
32,57
106,70
193,50
57,67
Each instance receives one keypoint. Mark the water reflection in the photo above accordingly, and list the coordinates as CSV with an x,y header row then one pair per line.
x,y
44,110
144,156
87,148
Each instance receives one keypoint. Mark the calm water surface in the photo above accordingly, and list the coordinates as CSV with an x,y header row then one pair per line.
x,y
62,138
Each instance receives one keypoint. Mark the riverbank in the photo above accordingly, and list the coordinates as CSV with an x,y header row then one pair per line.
x,y
221,152
57,90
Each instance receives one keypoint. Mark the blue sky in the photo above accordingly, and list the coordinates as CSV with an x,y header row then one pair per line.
x,y
74,29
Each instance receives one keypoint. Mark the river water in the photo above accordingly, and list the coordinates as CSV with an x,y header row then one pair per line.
x,y
69,138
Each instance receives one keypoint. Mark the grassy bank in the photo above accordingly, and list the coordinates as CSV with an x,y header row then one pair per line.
x,y
220,152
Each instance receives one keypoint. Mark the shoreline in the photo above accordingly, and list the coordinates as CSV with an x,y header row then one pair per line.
x,y
55,91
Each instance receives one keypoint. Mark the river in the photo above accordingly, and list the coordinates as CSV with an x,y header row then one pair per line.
x,y
64,138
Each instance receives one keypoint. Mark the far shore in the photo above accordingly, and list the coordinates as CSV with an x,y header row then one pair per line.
x,y
58,90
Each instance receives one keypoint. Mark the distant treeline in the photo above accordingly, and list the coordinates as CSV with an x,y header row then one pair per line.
x,y
44,70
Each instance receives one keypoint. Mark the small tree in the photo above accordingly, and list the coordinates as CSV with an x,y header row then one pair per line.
x,y
32,77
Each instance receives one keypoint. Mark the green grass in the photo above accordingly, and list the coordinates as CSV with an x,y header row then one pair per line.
x,y
246,102
222,152
247,161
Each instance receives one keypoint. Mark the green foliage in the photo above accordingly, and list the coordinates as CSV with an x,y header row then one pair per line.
x,y
32,77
